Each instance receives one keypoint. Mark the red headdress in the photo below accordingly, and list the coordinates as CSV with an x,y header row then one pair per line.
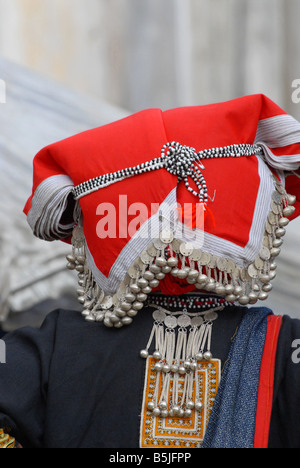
x,y
196,194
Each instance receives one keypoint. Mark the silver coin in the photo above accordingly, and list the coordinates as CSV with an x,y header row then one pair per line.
x,y
280,188
196,255
184,321
171,321
145,257
222,264
252,271
205,258
269,228
107,303
243,274
159,244
176,245
213,261
259,263
166,236
196,321
277,198
272,218
186,249
264,253
275,207
231,266
152,251
159,315
133,272
211,316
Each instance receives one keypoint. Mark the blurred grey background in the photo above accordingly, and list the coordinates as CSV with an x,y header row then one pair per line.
x,y
70,65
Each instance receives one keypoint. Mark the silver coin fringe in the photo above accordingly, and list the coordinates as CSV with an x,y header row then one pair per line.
x,y
168,255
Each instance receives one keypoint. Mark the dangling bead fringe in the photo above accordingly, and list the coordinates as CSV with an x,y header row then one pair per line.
x,y
181,344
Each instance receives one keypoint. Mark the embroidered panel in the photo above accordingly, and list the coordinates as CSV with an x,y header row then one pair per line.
x,y
6,441
176,431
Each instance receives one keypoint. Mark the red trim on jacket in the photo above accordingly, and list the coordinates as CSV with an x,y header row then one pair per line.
x,y
266,383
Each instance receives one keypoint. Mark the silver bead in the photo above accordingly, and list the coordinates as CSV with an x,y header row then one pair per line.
x,y
166,269
154,283
229,289
280,232
126,320
243,300
150,406
291,199
238,290
137,305
277,243
157,356
158,367
193,274
155,269
172,262
264,278
211,285
161,262
141,297
231,298
135,288
263,296
148,275
166,369
289,211
198,406
142,283
132,313
108,323
267,287
174,272
283,222
163,405
220,289
120,313
190,404
144,354
207,356
182,274
130,297
275,252
160,276
156,412
202,279
147,290
199,357
125,306
164,414
188,413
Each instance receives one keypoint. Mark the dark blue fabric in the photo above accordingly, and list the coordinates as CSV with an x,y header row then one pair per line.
x,y
232,422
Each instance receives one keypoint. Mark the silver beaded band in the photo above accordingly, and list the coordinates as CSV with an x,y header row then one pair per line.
x,y
181,161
